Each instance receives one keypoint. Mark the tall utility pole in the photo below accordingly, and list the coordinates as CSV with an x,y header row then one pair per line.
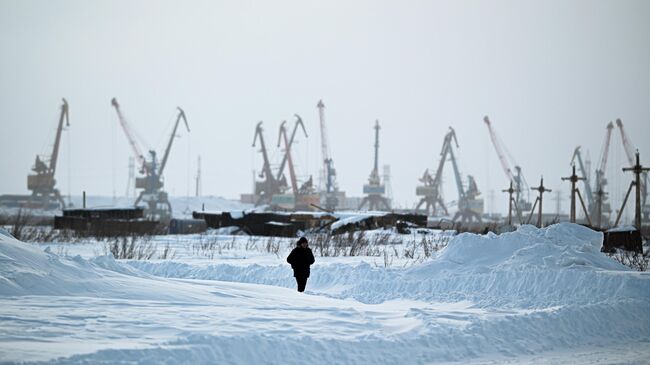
x,y
574,191
198,177
541,189
511,200
130,184
637,169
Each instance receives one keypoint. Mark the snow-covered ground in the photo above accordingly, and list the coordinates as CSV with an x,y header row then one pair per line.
x,y
532,296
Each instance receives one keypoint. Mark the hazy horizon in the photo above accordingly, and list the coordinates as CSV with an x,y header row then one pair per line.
x,y
550,75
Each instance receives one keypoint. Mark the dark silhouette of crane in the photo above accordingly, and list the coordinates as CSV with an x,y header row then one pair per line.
x,y
375,190
305,194
157,206
42,183
516,177
270,185
330,197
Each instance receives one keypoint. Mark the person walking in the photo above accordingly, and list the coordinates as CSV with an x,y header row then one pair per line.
x,y
300,259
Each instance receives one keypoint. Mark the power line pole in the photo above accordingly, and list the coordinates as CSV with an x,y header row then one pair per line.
x,y
637,169
574,191
541,189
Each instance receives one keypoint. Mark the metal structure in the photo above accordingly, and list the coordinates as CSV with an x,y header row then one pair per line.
x,y
516,177
374,189
638,171
42,183
510,190
470,207
198,183
305,195
575,191
643,187
541,189
596,196
269,186
157,206
329,194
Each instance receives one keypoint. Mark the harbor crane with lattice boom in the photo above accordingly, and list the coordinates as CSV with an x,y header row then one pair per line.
x,y
431,190
598,207
42,183
374,189
630,152
330,198
516,177
157,205
304,195
470,207
269,186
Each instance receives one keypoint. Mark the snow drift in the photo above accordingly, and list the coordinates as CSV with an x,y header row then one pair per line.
x,y
517,294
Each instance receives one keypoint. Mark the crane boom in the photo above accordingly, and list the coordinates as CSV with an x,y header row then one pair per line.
x,y
459,181
627,143
603,158
299,123
57,141
267,165
287,145
323,134
181,115
497,147
129,135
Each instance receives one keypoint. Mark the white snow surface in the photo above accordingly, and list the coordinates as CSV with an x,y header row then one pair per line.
x,y
529,296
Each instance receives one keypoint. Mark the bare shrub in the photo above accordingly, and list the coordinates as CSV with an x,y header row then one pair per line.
x,y
272,246
635,260
131,248
207,246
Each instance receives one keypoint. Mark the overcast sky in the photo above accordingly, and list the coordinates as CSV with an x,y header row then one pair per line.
x,y
550,74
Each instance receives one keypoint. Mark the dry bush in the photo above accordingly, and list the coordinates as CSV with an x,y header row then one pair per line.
x,y
635,260
207,246
131,248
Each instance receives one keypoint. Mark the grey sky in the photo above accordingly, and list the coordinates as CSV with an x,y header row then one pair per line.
x,y
550,74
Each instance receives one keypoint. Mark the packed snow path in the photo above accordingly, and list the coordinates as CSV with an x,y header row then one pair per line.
x,y
529,296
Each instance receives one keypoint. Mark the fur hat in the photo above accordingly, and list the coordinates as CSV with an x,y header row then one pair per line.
x,y
301,240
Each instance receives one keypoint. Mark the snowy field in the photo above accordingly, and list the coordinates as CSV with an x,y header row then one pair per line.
x,y
532,296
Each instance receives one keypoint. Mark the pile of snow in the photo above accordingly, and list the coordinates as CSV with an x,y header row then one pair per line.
x,y
492,297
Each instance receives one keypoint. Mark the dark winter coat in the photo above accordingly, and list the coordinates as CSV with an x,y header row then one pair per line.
x,y
300,259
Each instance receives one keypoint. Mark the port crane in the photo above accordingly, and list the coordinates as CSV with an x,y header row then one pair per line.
x,y
302,195
42,183
374,189
470,207
595,192
269,186
331,188
516,176
157,205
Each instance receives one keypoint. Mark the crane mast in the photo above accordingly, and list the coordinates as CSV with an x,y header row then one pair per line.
x,y
374,189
